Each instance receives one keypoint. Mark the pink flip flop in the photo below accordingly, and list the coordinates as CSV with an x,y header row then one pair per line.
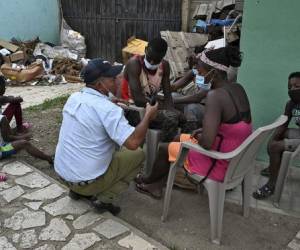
x,y
27,125
3,177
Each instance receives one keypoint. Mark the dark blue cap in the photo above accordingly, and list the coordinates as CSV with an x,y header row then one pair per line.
x,y
99,68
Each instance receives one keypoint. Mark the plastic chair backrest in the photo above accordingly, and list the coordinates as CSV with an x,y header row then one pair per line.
x,y
247,151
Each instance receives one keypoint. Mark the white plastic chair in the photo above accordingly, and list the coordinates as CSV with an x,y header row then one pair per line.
x,y
287,158
239,171
152,139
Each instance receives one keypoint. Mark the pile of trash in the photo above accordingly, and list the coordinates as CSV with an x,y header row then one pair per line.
x,y
216,24
220,20
36,63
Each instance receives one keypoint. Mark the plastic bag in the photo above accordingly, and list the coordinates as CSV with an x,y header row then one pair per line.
x,y
56,51
72,39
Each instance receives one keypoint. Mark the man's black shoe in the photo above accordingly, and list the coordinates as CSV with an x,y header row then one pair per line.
x,y
103,207
100,206
76,196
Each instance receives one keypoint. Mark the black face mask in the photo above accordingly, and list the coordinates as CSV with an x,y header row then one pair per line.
x,y
294,94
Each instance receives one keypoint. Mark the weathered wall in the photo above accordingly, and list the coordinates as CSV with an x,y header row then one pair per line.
x,y
107,24
26,19
270,42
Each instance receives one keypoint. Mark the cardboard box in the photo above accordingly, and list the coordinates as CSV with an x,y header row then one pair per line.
x,y
33,71
9,46
19,55
134,47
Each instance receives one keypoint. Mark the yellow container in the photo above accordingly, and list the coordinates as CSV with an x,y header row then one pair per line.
x,y
134,47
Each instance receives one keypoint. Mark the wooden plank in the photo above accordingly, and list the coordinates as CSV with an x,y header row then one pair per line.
x,y
185,18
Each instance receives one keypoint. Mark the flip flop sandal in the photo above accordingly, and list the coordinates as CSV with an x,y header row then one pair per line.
x,y
265,172
3,177
27,125
139,178
263,192
141,189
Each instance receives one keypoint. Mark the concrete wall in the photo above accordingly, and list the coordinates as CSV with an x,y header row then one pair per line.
x,y
26,19
270,42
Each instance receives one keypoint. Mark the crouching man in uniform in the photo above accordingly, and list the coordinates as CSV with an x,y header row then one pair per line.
x,y
98,152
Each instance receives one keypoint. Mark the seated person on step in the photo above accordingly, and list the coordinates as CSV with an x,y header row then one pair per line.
x,y
14,107
144,77
11,143
226,124
283,139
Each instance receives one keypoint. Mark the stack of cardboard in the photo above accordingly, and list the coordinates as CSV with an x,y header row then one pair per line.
x,y
16,54
22,74
181,45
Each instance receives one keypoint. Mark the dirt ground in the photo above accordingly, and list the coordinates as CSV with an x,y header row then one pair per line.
x,y
188,224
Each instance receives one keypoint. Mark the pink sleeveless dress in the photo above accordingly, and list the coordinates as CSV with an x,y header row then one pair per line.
x,y
232,136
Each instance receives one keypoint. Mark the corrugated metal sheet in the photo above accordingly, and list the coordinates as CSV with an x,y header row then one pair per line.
x,y
107,24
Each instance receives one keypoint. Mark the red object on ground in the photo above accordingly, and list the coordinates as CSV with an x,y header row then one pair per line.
x,y
3,177
14,110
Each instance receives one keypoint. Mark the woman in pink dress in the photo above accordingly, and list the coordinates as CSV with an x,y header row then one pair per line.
x,y
226,123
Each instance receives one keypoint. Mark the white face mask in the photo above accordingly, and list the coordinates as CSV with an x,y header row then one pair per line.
x,y
110,94
149,65
200,82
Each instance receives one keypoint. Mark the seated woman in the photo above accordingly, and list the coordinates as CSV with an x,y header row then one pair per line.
x,y
191,101
226,124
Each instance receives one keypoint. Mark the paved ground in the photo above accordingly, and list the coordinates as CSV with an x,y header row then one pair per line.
x,y
34,95
188,225
36,213
290,200
295,243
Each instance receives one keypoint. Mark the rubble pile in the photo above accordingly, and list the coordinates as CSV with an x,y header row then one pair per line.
x,y
220,20
69,68
27,47
35,62
217,24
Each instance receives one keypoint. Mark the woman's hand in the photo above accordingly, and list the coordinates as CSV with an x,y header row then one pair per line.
x,y
196,133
